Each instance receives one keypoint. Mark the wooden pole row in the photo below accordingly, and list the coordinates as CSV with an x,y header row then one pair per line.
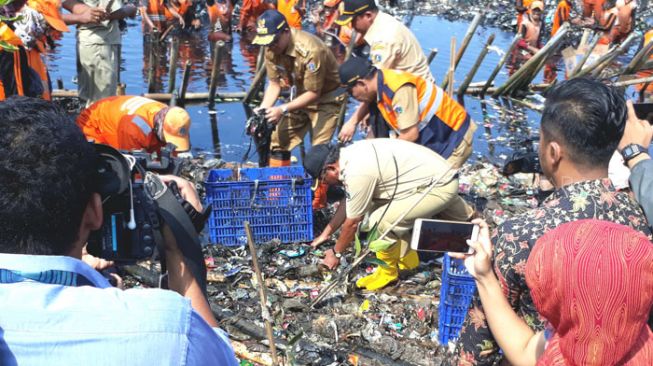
x,y
470,75
215,72
463,47
172,69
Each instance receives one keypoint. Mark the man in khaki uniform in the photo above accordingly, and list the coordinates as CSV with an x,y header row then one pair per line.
x,y
392,46
301,60
384,178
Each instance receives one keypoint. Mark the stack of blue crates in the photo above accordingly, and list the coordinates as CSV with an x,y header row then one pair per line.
x,y
277,203
456,293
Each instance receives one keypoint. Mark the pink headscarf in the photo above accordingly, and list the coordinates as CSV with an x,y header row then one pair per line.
x,y
593,281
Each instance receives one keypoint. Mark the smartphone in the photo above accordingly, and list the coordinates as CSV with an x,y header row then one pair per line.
x,y
644,111
443,236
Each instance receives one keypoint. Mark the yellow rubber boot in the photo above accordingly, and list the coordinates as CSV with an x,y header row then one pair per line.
x,y
383,276
409,261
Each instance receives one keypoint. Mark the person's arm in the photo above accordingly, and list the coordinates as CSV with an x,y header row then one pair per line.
x,y
348,129
180,278
347,235
80,13
607,25
127,11
520,344
271,94
146,17
333,225
640,132
406,107
176,14
273,114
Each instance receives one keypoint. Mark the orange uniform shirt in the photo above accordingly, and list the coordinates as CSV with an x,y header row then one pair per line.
x,y
561,16
123,122
287,8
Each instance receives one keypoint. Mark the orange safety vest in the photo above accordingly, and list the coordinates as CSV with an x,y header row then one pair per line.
x,y
250,11
35,61
156,10
123,122
287,8
442,121
561,16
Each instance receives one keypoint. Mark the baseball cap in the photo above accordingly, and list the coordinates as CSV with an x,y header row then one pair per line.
x,y
353,69
50,11
537,5
176,124
268,25
314,161
353,8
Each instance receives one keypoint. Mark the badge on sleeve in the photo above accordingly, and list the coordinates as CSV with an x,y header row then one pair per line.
x,y
376,58
311,66
398,109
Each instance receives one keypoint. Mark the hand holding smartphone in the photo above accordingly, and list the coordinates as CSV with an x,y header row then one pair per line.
x,y
443,236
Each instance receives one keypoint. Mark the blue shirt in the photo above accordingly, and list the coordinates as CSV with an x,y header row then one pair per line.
x,y
44,323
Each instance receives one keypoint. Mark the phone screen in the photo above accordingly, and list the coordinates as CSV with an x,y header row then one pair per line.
x,y
443,236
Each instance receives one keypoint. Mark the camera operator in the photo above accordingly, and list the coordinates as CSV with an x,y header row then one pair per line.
x,y
634,148
57,310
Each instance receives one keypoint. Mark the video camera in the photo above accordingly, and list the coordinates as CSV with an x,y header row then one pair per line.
x,y
261,130
528,162
136,203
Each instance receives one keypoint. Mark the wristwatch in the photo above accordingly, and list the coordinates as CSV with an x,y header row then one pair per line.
x,y
338,255
284,109
631,151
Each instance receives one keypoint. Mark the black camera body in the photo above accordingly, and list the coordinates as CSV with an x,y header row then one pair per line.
x,y
129,189
260,130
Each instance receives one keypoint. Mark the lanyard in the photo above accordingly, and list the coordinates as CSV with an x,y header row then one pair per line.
x,y
52,277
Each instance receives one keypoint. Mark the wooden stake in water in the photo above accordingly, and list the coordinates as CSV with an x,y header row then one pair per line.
x,y
184,84
452,68
265,313
468,79
215,72
463,47
172,69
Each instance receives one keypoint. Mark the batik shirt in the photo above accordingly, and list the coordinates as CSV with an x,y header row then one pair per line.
x,y
513,241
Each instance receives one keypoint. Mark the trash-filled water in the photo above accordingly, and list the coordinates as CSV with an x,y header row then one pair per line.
x,y
503,128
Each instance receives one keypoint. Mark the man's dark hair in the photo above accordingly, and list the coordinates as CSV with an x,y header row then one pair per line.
x,y
588,117
46,177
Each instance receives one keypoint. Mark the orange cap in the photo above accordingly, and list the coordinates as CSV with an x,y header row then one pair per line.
x,y
331,3
50,11
176,125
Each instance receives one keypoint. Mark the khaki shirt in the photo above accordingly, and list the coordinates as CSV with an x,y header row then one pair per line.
x,y
406,106
367,170
106,32
307,64
394,46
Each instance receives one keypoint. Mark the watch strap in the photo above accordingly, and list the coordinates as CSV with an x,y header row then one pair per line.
x,y
631,151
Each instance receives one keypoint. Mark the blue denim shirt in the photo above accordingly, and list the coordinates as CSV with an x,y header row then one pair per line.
x,y
42,323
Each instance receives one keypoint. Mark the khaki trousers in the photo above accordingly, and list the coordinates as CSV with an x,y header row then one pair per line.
x,y
97,71
321,120
442,201
464,150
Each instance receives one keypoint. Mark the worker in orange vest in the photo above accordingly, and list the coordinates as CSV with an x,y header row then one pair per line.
x,y
135,123
249,12
522,7
157,13
562,15
293,11
531,31
49,9
625,20
415,109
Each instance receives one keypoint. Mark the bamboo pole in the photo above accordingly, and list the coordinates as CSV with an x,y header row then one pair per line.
x,y
432,54
586,56
150,73
265,313
172,68
640,56
184,83
260,59
623,47
258,79
502,62
533,62
165,33
463,46
634,81
468,79
215,72
452,68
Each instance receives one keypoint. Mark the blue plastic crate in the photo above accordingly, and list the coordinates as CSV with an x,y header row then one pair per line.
x,y
456,293
277,202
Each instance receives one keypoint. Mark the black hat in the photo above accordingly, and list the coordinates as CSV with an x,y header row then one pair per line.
x,y
268,25
315,159
353,8
353,69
